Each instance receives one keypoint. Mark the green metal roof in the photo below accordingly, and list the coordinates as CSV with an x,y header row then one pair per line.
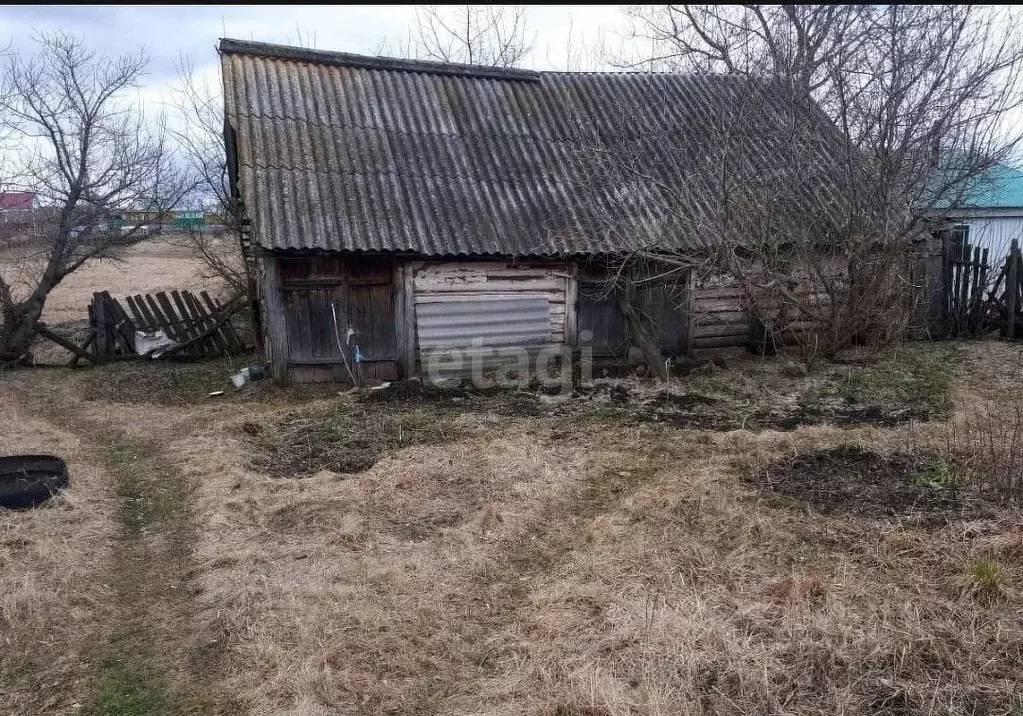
x,y
1001,187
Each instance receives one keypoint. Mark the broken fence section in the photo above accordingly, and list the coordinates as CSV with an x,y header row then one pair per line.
x,y
180,323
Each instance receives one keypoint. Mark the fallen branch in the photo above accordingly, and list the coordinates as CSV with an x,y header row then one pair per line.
x,y
646,343
88,341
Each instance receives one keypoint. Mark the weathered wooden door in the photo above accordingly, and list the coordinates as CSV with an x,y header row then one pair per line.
x,y
666,305
339,311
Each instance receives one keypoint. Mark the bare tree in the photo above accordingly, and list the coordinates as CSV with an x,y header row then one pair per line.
x,y
200,141
88,152
874,117
472,34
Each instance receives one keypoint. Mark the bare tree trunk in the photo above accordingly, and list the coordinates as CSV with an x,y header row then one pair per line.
x,y
640,333
94,157
18,329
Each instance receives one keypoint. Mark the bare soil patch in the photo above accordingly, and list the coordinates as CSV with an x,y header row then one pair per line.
x,y
853,480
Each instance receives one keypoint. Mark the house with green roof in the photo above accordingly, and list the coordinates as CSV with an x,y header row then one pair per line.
x,y
991,214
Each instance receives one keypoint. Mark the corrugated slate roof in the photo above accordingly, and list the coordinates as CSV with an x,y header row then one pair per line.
x,y
342,152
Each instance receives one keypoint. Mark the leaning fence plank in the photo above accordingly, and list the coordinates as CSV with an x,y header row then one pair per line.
x,y
982,282
189,325
141,322
965,269
102,342
975,288
154,324
163,322
228,327
120,325
206,322
223,318
227,330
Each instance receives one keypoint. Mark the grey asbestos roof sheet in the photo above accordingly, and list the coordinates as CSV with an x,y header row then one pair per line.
x,y
347,153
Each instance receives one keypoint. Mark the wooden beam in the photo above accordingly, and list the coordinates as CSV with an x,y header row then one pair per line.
x,y
1011,288
405,319
690,310
102,346
64,343
275,327
571,315
88,341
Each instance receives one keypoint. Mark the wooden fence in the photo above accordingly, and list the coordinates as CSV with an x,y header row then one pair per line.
x,y
976,305
197,326
965,281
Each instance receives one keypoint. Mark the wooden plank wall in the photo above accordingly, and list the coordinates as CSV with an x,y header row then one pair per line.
x,y
720,320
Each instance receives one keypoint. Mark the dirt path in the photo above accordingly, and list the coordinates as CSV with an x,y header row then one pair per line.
x,y
151,659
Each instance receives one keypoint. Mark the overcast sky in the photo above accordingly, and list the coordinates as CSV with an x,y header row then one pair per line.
x,y
191,31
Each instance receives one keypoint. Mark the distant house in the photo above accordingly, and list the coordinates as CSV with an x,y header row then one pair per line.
x,y
991,215
401,208
17,205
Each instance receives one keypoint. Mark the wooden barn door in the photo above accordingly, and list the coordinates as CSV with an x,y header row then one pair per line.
x,y
667,305
337,310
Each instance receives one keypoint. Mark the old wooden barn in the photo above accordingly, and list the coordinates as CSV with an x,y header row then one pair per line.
x,y
402,207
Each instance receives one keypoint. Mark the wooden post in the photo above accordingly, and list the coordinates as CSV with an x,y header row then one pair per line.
x,y
276,329
1011,288
102,341
946,280
690,311
571,298
404,320
963,301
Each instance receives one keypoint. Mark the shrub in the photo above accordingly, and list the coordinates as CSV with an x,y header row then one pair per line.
x,y
985,448
986,580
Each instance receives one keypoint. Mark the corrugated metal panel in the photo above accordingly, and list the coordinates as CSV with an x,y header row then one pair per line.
x,y
499,304
484,321
349,153
993,233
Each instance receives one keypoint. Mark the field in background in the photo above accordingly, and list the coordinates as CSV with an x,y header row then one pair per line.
x,y
723,546
157,265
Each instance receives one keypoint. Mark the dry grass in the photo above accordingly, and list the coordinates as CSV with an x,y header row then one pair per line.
x,y
495,576
562,567
53,561
571,567
157,265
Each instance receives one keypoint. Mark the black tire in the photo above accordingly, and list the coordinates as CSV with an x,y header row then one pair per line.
x,y
30,480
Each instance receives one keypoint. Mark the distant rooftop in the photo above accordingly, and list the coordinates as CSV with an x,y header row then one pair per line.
x,y
999,188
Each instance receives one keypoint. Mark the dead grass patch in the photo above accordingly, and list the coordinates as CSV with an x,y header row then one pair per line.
x,y
573,563
344,437
54,598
